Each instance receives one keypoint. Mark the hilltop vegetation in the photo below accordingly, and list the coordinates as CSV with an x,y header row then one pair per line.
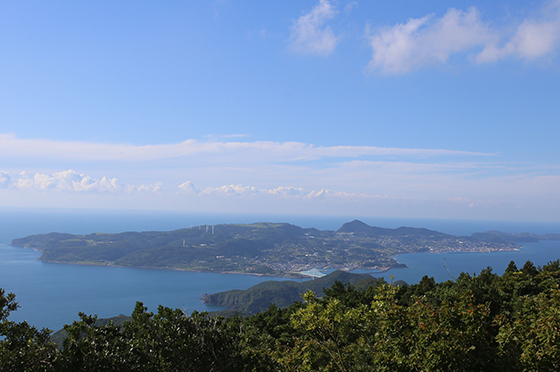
x,y
484,322
261,248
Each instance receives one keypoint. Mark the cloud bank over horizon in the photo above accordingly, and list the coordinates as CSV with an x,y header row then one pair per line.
x,y
69,181
265,174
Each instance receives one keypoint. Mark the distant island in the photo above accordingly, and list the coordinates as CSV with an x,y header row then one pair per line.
x,y
279,249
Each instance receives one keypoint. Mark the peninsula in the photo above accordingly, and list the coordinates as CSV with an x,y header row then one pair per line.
x,y
279,249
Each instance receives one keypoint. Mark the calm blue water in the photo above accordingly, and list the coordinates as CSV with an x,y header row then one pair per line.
x,y
448,266
51,295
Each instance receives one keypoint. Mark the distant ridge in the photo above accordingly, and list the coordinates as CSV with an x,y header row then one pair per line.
x,y
359,227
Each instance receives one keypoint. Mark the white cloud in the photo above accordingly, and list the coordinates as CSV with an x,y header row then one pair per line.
x,y
231,190
279,193
288,191
533,38
24,181
72,181
308,36
5,180
42,181
150,188
188,187
65,181
427,41
432,41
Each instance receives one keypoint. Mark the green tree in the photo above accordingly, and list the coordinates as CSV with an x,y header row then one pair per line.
x,y
23,347
532,338
167,341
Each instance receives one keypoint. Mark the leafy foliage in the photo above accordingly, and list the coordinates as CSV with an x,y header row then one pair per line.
x,y
23,347
167,341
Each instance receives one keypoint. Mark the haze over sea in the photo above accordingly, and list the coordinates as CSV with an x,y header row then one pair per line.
x,y
51,295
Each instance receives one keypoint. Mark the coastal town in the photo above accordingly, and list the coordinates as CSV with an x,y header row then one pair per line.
x,y
349,251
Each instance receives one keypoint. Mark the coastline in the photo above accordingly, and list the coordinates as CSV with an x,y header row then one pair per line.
x,y
165,268
286,275
292,275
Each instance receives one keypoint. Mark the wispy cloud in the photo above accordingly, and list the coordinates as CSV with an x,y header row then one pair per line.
x,y
427,40
308,33
13,147
350,7
215,137
5,180
432,41
533,38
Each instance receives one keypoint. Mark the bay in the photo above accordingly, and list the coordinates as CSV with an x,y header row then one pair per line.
x,y
52,295
449,265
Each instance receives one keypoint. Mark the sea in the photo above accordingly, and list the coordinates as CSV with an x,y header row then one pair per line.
x,y
51,295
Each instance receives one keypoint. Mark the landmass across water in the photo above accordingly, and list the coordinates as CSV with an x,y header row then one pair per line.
x,y
278,249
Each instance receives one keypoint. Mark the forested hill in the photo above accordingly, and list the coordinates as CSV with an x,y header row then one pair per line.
x,y
261,248
358,227
283,293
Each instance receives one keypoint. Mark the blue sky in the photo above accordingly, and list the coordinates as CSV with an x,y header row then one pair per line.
x,y
433,109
